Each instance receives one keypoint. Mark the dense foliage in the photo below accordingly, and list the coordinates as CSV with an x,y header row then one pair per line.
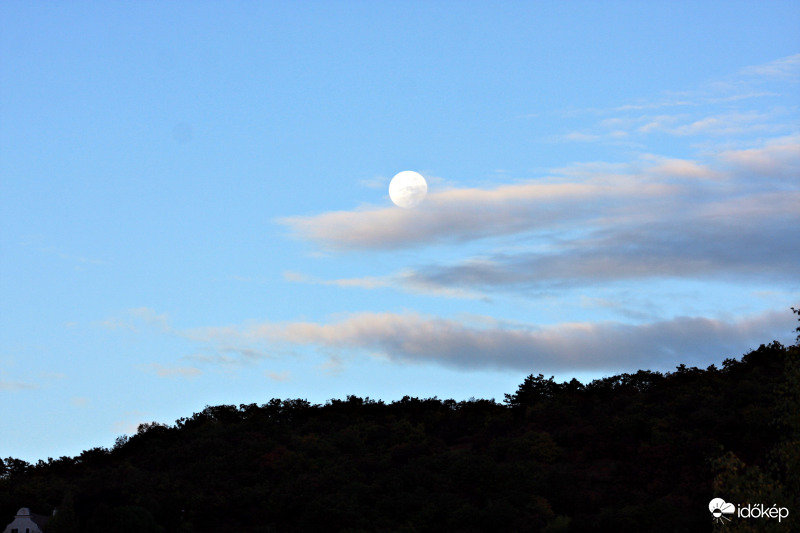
x,y
633,452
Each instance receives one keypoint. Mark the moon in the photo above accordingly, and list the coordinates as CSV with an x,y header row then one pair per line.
x,y
408,189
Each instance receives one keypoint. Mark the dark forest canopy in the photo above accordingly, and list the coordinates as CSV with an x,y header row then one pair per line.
x,y
633,452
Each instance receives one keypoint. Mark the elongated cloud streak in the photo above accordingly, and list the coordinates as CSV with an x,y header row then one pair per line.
x,y
609,346
467,214
483,342
754,239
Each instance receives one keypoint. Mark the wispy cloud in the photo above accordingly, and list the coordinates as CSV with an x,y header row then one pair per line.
x,y
580,136
758,100
785,67
78,261
117,324
135,318
220,345
79,401
713,123
669,102
376,182
727,123
364,283
406,280
149,316
278,376
130,422
214,359
174,371
13,386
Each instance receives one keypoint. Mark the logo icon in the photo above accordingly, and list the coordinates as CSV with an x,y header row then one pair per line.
x,y
719,509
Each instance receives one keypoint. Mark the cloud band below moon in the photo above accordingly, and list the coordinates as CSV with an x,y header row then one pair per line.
x,y
479,342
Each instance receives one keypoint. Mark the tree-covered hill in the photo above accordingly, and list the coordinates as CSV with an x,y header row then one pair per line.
x,y
633,452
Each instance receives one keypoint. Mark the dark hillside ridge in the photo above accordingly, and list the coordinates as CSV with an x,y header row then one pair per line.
x,y
633,452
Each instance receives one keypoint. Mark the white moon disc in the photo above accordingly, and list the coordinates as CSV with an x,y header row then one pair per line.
x,y
408,189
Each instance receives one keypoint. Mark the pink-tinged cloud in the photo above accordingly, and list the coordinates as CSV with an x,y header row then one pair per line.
x,y
778,159
460,215
672,168
584,196
607,346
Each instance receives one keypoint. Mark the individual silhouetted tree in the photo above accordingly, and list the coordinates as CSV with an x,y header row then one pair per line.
x,y
533,390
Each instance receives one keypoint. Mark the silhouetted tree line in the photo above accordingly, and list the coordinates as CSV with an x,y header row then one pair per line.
x,y
632,452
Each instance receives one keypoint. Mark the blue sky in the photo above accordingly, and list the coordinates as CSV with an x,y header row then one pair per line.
x,y
195,201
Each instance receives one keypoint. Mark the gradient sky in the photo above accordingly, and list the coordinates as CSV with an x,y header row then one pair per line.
x,y
195,200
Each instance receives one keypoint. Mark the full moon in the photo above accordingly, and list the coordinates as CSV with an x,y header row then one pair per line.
x,y
408,189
